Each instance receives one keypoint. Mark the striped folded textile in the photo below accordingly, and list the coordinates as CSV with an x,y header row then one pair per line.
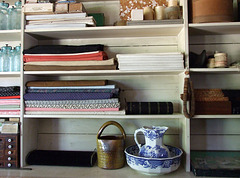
x,y
66,96
70,110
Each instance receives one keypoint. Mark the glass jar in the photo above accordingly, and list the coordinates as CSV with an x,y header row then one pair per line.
x,y
4,15
18,6
17,59
6,54
1,60
10,18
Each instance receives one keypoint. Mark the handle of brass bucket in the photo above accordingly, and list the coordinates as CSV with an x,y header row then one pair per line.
x,y
111,123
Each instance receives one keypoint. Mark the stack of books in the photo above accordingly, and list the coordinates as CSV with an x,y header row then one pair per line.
x,y
72,20
151,61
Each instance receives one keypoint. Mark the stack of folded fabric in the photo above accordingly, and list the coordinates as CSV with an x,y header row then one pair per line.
x,y
71,97
10,100
67,58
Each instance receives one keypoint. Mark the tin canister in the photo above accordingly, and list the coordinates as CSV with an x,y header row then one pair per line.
x,y
110,148
220,60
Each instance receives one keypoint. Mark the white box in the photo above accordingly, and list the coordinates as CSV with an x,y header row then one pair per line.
x,y
137,14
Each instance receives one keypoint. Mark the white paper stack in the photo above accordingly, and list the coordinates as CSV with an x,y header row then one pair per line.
x,y
59,21
150,61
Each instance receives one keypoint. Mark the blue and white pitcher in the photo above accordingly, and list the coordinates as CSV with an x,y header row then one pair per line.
x,y
154,147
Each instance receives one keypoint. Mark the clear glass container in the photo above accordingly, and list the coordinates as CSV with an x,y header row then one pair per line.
x,y
17,59
11,59
11,18
1,60
4,15
6,62
18,6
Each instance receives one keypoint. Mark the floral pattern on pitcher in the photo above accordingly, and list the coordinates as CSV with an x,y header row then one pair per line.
x,y
153,147
158,132
154,152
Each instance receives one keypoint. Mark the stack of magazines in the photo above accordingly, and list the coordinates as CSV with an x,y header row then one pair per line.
x,y
151,61
72,20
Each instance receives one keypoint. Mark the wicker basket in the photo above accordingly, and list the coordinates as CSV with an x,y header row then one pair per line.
x,y
110,149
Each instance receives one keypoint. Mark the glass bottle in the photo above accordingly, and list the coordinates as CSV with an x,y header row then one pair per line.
x,y
10,18
1,61
4,13
1,18
6,54
11,59
18,6
17,59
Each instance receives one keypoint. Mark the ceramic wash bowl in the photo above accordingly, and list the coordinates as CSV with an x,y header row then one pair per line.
x,y
153,166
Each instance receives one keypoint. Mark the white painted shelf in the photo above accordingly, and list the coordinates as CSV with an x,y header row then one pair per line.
x,y
230,116
215,70
10,35
9,74
107,32
80,172
103,72
108,116
8,116
223,28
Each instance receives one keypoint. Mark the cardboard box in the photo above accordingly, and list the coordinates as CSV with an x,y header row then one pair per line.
x,y
38,8
137,14
76,8
61,8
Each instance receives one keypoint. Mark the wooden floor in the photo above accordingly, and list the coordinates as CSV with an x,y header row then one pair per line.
x,y
78,172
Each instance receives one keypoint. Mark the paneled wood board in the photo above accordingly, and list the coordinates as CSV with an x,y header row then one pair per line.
x,y
81,134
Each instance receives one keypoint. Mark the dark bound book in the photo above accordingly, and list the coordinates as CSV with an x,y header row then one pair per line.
x,y
149,108
62,158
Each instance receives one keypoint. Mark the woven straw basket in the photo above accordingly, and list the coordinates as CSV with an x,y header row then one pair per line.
x,y
110,149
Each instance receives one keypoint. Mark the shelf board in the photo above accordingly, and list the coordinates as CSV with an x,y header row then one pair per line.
x,y
230,116
10,35
110,116
9,74
222,28
95,171
8,116
103,72
107,32
215,70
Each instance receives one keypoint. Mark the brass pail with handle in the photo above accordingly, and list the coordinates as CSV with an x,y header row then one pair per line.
x,y
110,148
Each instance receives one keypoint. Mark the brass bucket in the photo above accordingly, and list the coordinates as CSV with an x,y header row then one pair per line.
x,y
110,149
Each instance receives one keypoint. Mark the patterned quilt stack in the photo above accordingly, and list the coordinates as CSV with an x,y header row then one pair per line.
x,y
70,97
10,100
